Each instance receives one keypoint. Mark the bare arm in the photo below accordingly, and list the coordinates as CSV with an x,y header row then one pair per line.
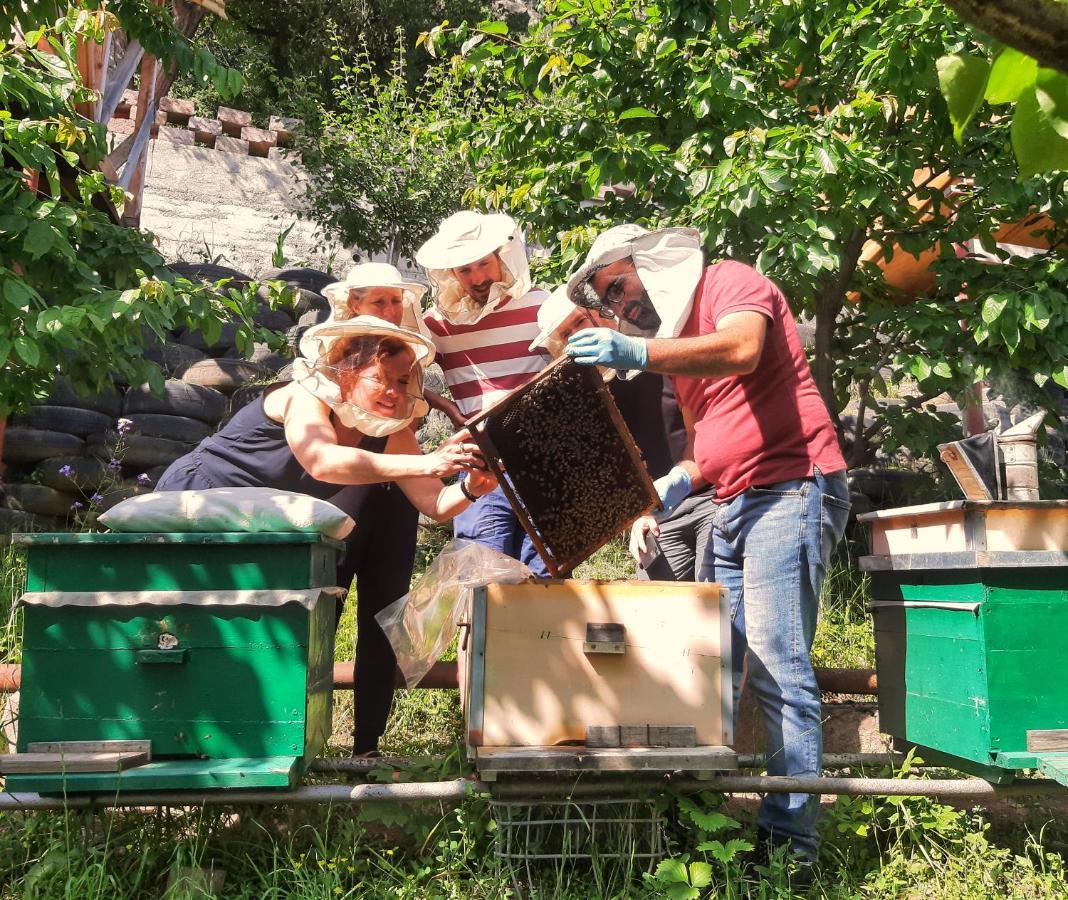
x,y
445,405
314,441
429,495
687,461
734,348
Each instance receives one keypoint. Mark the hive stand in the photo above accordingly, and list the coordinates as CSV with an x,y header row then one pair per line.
x,y
214,650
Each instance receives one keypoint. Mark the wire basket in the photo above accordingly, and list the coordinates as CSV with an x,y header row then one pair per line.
x,y
532,835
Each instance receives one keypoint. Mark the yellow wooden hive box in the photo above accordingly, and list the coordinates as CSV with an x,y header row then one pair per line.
x,y
545,660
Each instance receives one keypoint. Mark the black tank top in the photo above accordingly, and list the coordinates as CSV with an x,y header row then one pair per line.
x,y
250,450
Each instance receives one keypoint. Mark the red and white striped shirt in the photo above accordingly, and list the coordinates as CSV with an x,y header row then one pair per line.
x,y
485,360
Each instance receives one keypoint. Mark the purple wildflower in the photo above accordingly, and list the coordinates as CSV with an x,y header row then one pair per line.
x,y
66,471
96,498
123,426
114,464
144,480
76,505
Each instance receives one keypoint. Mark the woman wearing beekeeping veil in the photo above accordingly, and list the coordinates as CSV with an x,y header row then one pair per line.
x,y
340,427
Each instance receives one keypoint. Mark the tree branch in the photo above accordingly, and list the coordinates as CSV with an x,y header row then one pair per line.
x,y
1038,28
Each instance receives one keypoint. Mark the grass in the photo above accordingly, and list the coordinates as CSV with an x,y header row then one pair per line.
x,y
872,849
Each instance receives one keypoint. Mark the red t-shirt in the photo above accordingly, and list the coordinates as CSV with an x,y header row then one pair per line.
x,y
765,427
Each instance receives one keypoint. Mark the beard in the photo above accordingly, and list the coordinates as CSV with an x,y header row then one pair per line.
x,y
638,318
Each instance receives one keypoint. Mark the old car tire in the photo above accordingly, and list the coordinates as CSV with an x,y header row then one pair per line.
x,y
68,419
86,473
138,451
173,428
31,445
39,499
108,402
179,399
225,375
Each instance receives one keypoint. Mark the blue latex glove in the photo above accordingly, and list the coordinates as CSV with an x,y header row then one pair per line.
x,y
673,488
607,347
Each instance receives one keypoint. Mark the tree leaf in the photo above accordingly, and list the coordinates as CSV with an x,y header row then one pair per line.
x,y
1051,91
963,81
1035,141
39,238
27,350
18,294
993,307
1011,73
493,27
665,47
827,162
636,112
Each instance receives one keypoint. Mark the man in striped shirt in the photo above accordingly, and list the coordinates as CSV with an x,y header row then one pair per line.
x,y
483,321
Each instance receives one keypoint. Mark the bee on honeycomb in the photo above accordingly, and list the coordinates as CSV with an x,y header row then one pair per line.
x,y
575,470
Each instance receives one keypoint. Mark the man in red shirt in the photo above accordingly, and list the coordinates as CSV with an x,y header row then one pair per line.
x,y
762,437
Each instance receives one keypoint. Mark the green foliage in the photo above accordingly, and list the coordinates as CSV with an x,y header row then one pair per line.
x,y
76,288
1040,117
382,174
793,135
281,57
148,22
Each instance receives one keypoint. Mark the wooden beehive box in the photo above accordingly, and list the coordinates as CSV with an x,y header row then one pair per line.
x,y
217,649
567,463
970,605
546,661
979,532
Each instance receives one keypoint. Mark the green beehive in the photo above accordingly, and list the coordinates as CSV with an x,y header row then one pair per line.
x,y
970,604
215,648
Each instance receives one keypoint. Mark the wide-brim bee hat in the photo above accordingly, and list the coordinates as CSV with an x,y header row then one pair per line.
x,y
319,340
371,275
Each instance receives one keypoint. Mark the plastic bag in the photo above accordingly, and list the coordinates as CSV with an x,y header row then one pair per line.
x,y
422,623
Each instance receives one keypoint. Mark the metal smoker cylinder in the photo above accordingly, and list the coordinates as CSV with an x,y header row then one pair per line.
x,y
1019,454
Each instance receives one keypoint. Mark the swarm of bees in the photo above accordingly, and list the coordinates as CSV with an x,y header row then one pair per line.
x,y
572,464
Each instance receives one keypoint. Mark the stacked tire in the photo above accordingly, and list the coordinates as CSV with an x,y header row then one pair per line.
x,y
51,474
69,455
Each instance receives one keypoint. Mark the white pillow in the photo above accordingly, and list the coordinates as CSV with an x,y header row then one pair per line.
x,y
249,509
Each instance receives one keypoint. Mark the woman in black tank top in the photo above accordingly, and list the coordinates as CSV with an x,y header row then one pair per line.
x,y
340,432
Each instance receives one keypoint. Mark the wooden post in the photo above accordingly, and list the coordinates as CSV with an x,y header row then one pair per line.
x,y
146,109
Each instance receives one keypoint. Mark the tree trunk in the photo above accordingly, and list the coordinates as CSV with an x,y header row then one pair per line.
x,y
828,305
1038,28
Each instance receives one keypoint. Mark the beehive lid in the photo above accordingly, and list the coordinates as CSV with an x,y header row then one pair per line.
x,y
67,538
306,598
575,477
964,534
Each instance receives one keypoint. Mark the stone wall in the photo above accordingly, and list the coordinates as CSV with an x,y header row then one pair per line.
x,y
219,190
210,206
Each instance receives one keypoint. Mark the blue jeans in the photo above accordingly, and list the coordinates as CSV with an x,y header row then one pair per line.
x,y
491,521
770,548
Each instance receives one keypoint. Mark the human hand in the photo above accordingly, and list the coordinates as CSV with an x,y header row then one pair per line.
x,y
481,483
640,532
451,457
673,488
607,347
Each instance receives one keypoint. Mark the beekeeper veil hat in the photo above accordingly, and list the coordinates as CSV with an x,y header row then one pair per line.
x,y
376,274
669,263
318,370
466,237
